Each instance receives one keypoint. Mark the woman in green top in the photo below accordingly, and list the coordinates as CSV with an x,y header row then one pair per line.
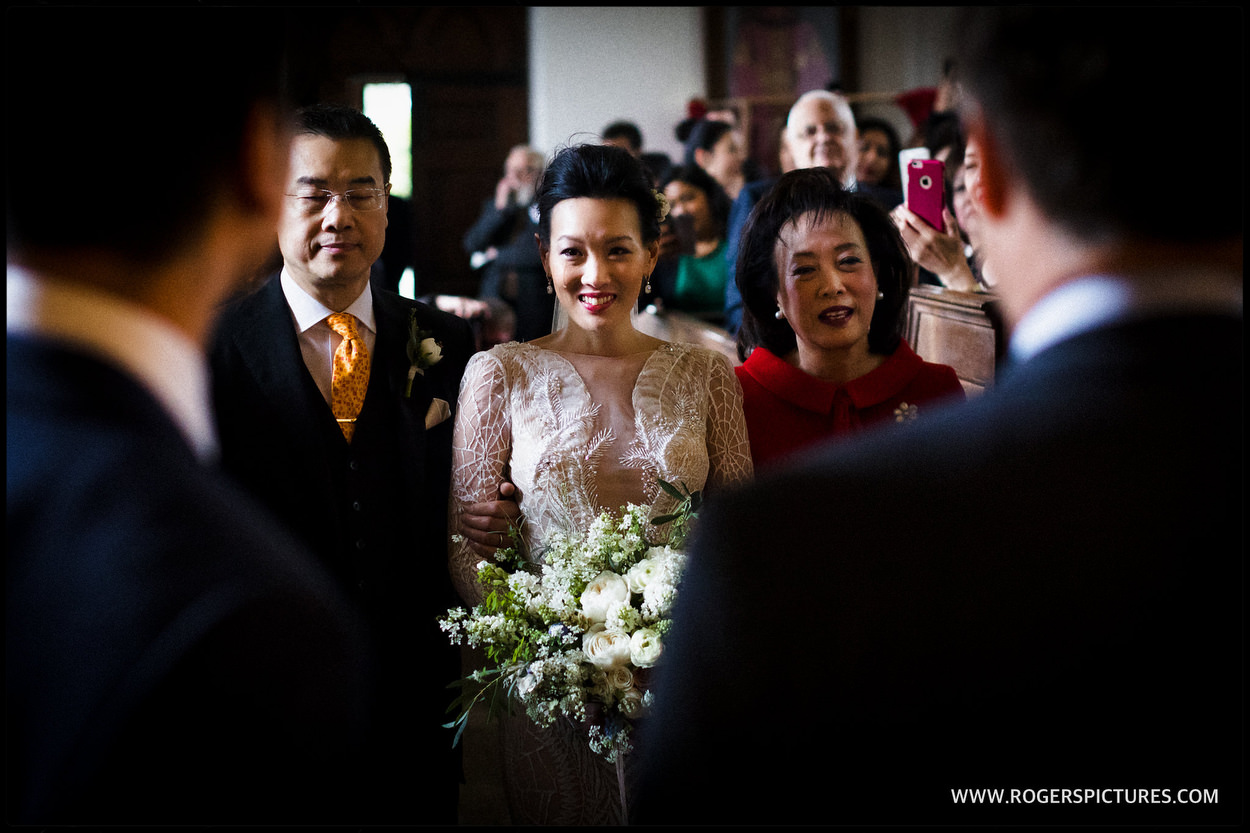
x,y
695,246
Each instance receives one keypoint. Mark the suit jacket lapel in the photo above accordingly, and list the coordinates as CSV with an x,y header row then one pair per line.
x,y
270,347
388,377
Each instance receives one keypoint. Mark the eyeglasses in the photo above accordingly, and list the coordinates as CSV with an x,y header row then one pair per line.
x,y
315,200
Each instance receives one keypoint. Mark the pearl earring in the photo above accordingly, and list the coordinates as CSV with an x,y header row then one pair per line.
x,y
647,288
880,294
779,314
551,286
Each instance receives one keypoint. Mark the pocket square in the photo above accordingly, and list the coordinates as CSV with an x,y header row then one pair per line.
x,y
439,411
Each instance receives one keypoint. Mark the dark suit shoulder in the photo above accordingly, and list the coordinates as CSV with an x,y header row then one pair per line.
x,y
139,620
256,308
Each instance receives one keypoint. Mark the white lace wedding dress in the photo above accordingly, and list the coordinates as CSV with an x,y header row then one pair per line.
x,y
577,435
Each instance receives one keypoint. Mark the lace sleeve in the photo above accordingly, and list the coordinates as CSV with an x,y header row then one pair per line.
x,y
728,448
481,449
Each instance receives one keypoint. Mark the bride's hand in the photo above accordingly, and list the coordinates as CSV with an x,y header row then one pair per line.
x,y
485,525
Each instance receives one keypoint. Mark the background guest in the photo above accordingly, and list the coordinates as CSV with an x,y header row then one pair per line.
x,y
627,135
878,154
715,146
967,196
824,279
693,281
940,253
624,134
503,247
172,656
1040,591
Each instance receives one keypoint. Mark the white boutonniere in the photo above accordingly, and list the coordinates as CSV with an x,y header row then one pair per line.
x,y
424,351
906,413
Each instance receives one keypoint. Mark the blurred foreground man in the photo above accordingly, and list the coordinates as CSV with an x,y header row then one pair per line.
x,y
1027,609
172,657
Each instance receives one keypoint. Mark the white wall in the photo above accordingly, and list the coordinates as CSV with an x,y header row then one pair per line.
x,y
902,48
590,67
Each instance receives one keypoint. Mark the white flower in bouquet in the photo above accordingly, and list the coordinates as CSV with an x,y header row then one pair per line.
x,y
645,648
527,590
620,678
606,648
530,681
606,590
632,702
660,590
624,617
641,573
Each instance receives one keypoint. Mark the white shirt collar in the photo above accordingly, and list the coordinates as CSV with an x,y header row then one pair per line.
x,y
1098,300
309,312
142,344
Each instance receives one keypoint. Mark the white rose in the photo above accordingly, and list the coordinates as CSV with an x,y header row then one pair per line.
x,y
645,648
620,677
606,590
604,648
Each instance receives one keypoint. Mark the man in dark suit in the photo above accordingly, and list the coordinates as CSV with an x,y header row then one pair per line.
x,y
172,656
1027,609
503,244
820,132
363,484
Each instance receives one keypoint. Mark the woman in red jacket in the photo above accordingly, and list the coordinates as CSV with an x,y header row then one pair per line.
x,y
824,279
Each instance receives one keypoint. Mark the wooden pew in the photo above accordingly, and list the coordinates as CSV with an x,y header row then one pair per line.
x,y
960,329
672,325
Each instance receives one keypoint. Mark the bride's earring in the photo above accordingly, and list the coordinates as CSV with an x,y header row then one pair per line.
x,y
551,286
647,288
880,295
779,314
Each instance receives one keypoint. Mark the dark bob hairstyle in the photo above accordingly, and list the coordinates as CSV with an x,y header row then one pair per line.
x,y
603,172
816,191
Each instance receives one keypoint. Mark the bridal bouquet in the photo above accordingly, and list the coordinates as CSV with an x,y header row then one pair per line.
x,y
573,636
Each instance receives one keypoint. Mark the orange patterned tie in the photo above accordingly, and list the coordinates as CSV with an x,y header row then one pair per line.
x,y
351,373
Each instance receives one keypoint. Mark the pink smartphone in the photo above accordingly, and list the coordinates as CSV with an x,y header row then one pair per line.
x,y
926,190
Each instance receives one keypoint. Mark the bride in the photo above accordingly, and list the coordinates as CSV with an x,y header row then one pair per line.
x,y
584,420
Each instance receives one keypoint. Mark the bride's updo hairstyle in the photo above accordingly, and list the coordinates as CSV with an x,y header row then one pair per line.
x,y
603,172
818,192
